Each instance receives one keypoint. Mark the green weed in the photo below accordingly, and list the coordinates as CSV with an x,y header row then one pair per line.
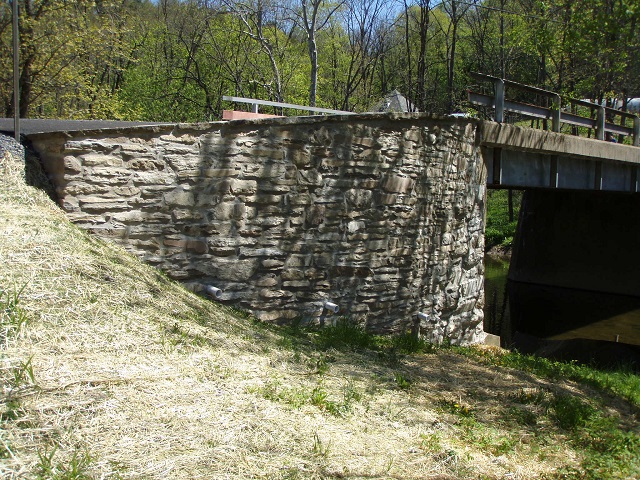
x,y
529,396
321,448
522,416
321,364
571,413
485,438
22,375
456,408
407,343
431,442
345,334
500,229
12,317
274,391
402,382
76,468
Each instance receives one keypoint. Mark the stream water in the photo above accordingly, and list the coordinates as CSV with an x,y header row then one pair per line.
x,y
532,317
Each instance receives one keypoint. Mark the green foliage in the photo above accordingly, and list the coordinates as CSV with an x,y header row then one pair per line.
x,y
571,412
173,61
407,343
500,229
318,396
321,363
345,334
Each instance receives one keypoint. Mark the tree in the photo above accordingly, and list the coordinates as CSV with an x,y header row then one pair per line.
x,y
351,43
72,55
313,16
456,11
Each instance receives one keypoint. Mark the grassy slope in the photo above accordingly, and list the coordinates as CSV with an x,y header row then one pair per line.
x,y
119,373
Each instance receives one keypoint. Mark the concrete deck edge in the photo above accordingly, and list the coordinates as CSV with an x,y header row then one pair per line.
x,y
502,135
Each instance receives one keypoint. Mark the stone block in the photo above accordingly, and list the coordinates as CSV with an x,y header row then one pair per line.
x,y
300,158
179,198
271,264
397,184
126,190
72,164
145,164
293,274
295,284
273,294
243,187
310,178
187,244
228,211
261,252
266,281
315,215
297,199
230,269
96,159
359,198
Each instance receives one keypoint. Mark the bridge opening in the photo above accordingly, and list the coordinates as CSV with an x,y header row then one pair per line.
x,y
569,289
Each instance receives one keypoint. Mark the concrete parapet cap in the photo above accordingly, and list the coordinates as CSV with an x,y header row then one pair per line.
x,y
512,137
181,128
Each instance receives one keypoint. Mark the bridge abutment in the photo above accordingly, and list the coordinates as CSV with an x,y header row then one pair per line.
x,y
382,215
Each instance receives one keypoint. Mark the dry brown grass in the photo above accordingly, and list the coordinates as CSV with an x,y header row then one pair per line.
x,y
139,378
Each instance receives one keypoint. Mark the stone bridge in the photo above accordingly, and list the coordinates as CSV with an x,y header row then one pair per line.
x,y
380,214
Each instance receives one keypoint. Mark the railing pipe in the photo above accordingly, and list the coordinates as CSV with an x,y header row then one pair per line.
x,y
255,102
600,124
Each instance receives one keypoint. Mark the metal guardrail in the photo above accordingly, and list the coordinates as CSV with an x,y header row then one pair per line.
x,y
555,112
254,103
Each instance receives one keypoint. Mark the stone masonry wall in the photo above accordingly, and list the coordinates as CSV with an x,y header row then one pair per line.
x,y
380,214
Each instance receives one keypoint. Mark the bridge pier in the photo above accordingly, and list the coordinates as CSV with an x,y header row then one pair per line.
x,y
579,239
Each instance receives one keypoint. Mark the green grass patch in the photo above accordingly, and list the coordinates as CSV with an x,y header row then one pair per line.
x,y
622,382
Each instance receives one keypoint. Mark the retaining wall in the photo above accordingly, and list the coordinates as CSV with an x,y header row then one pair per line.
x,y
380,214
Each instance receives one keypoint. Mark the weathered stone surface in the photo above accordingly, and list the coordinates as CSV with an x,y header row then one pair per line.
x,y
397,184
382,215
95,159
180,198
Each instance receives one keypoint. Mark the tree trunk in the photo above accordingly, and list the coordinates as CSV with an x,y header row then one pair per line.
x,y
313,80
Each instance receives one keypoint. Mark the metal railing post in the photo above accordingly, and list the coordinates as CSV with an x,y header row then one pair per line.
x,y
636,131
16,71
600,119
555,113
499,100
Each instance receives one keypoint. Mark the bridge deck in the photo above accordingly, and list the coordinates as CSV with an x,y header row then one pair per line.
x,y
527,158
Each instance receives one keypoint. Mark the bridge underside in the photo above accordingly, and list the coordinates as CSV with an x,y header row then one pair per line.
x,y
579,239
519,169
